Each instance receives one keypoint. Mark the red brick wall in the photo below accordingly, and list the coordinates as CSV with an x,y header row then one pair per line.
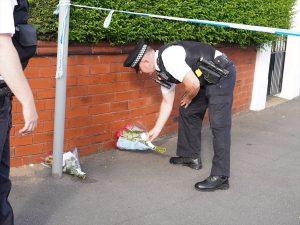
x,y
102,97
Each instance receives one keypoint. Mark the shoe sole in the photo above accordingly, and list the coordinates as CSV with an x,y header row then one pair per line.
x,y
188,165
222,187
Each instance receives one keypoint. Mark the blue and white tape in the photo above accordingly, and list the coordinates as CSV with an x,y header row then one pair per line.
x,y
271,30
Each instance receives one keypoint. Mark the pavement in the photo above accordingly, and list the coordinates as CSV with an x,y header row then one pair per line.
x,y
133,188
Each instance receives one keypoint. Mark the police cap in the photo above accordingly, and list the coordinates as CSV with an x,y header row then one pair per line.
x,y
136,55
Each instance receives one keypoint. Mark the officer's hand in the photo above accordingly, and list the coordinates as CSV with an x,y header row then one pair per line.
x,y
153,134
185,101
30,118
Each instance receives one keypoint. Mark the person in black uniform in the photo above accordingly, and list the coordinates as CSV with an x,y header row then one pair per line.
x,y
208,77
12,80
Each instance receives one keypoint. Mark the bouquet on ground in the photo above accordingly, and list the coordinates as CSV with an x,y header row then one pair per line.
x,y
71,164
135,137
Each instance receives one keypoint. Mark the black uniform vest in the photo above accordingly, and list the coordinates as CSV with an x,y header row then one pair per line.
x,y
194,51
25,38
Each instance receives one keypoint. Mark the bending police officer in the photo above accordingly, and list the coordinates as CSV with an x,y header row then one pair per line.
x,y
208,77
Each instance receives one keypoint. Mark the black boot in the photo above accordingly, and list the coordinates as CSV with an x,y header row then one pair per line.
x,y
213,183
187,161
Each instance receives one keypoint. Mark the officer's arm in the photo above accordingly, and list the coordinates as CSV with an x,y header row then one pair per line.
x,y
192,87
164,113
12,73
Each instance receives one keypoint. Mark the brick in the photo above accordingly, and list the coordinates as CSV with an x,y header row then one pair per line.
x,y
33,159
99,109
28,149
47,148
72,81
71,133
118,67
103,98
49,72
33,72
16,162
108,145
48,126
112,58
41,62
42,137
42,83
127,77
78,122
100,89
21,140
77,112
40,105
103,78
75,91
87,150
102,137
17,118
94,130
102,118
83,141
49,103
128,95
127,86
119,106
78,70
136,103
83,100
100,69
138,112
152,109
117,125
46,115
45,93
83,80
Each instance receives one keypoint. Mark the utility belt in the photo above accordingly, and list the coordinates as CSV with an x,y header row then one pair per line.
x,y
211,72
4,90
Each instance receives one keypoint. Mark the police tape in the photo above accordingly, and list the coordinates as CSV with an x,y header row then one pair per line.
x,y
271,30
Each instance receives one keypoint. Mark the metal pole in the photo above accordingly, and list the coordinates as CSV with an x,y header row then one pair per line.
x,y
61,83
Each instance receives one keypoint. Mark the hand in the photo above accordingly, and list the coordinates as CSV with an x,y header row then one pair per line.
x,y
30,118
185,101
153,134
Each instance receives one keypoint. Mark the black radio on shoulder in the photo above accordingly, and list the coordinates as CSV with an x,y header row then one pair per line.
x,y
212,71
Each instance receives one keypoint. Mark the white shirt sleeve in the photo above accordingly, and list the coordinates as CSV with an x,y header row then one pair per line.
x,y
174,62
7,25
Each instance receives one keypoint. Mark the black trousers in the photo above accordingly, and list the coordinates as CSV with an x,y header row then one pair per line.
x,y
6,212
218,99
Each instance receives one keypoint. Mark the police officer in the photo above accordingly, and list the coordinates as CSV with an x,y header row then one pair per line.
x,y
205,87
12,78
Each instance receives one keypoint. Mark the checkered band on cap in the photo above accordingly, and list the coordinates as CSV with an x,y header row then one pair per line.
x,y
140,56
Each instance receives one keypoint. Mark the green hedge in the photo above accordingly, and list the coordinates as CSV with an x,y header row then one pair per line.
x,y
86,26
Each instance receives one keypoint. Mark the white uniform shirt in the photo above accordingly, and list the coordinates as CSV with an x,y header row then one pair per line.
x,y
7,25
174,61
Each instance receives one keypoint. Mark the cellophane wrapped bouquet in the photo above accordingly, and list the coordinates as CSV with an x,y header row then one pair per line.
x,y
135,137
71,164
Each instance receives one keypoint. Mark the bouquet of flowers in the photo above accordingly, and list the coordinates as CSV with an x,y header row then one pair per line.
x,y
135,137
71,163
